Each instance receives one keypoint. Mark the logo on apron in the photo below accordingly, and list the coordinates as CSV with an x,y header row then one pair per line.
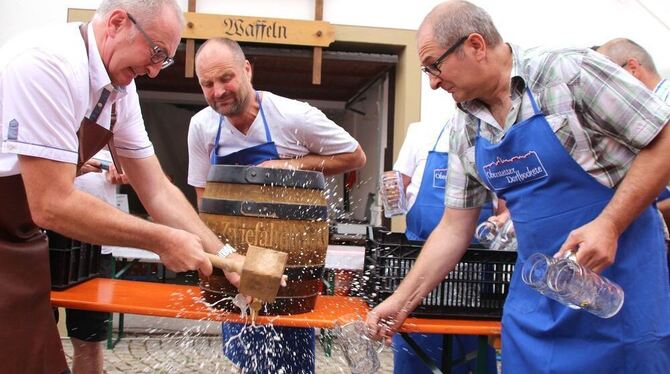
x,y
516,170
440,178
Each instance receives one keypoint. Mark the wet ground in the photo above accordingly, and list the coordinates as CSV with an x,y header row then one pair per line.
x,y
183,353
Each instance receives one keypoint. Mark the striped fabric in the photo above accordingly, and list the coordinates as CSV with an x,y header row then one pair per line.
x,y
601,115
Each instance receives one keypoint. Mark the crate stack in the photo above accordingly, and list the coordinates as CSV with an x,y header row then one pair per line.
x,y
71,262
476,288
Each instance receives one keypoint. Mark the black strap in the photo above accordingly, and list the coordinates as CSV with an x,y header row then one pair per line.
x,y
259,175
266,210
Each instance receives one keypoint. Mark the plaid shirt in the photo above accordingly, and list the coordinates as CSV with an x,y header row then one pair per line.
x,y
601,115
662,90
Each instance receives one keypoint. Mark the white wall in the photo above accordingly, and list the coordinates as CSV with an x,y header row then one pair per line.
x,y
525,22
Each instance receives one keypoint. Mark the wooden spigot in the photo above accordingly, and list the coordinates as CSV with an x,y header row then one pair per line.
x,y
261,271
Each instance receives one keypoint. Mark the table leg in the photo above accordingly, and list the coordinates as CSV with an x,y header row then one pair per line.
x,y
482,354
424,357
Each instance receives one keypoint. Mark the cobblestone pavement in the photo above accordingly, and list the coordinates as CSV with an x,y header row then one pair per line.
x,y
182,353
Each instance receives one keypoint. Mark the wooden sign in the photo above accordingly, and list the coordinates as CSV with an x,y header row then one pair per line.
x,y
258,29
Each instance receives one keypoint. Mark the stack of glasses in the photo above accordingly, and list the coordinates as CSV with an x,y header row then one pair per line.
x,y
573,285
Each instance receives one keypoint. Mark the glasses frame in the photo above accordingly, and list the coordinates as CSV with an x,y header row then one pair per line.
x,y
433,69
158,55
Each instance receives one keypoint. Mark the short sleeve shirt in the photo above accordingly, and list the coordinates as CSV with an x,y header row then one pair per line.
x,y
600,114
47,85
296,127
421,138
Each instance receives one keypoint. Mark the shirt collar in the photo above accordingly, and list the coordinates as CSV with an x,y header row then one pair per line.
x,y
659,85
99,78
517,80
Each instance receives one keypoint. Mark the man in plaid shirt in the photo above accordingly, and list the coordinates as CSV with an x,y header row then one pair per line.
x,y
578,149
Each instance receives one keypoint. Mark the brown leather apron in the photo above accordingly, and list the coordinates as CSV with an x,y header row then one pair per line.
x,y
29,339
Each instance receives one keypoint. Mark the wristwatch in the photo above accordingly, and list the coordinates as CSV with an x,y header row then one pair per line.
x,y
226,250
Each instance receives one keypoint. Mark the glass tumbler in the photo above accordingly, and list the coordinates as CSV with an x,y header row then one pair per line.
x,y
486,233
359,351
586,289
392,191
534,273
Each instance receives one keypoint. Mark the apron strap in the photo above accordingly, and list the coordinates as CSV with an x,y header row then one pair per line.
x,y
439,136
217,139
536,109
215,151
268,135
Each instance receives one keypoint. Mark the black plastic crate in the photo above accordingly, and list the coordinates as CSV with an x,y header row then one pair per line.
x,y
476,288
71,262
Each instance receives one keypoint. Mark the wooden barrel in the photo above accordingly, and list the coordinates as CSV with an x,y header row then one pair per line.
x,y
284,210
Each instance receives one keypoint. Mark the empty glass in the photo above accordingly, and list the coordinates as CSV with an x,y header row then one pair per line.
x,y
359,350
503,239
392,191
567,282
486,232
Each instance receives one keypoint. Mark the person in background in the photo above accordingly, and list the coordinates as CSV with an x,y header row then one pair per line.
x,y
423,164
87,329
638,62
244,126
58,86
537,126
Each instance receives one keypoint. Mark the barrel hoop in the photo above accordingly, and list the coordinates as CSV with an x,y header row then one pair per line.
x,y
264,210
266,176
304,272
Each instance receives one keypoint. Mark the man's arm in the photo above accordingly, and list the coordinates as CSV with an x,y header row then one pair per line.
x,y
647,176
57,205
328,164
440,254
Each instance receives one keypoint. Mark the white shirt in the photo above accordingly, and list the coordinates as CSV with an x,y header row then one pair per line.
x,y
47,86
420,139
96,184
296,127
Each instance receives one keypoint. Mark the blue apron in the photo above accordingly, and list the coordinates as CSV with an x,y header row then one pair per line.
x,y
531,170
254,349
421,219
428,207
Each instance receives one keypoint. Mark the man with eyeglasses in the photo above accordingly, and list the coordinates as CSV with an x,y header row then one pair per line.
x,y
59,87
578,151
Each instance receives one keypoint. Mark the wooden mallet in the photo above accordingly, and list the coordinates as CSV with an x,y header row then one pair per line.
x,y
261,271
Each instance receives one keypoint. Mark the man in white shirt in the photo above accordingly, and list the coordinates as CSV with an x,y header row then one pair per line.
x,y
423,163
57,90
243,126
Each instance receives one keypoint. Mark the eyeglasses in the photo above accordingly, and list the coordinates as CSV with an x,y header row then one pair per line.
x,y
158,55
434,68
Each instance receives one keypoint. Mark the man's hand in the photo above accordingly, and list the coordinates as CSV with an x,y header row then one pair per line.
x,y
114,177
385,319
595,244
90,166
183,252
279,164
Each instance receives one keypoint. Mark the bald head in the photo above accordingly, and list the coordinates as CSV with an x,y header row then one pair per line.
x,y
621,49
452,20
633,58
220,48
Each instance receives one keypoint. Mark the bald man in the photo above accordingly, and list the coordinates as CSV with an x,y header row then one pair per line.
x,y
244,126
638,62
578,151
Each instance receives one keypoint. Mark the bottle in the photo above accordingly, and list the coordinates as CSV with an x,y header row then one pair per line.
x,y
392,191
570,283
